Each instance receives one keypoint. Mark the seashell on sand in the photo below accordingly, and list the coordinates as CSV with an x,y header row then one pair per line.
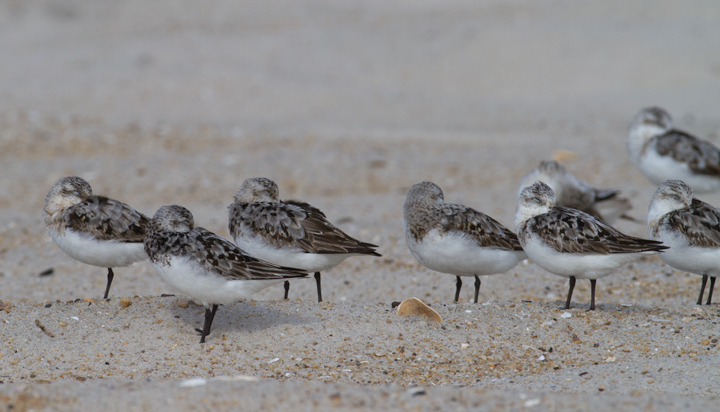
x,y
416,307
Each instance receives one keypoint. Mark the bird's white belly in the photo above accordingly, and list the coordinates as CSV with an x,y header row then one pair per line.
x,y
192,280
693,259
582,266
460,256
661,168
103,253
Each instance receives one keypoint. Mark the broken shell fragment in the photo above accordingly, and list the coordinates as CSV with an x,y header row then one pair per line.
x,y
416,307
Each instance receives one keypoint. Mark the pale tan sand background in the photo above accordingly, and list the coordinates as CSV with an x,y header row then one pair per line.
x,y
345,105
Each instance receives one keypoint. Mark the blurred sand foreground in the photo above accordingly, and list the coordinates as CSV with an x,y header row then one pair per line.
x,y
345,105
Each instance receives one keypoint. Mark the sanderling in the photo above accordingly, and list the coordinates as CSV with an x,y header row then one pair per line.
x,y
604,204
571,243
691,228
663,153
94,229
456,239
205,266
288,233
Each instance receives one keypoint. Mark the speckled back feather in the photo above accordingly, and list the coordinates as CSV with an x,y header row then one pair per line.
x,y
572,231
294,224
212,252
700,222
701,156
106,219
449,217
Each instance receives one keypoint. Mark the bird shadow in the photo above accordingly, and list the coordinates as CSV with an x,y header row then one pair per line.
x,y
245,316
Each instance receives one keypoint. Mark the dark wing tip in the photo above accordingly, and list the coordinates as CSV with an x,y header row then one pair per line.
x,y
605,194
649,245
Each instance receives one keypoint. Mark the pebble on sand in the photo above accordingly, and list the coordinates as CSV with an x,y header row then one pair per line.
x,y
125,302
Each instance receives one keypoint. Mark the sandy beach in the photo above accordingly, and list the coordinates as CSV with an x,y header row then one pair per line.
x,y
346,106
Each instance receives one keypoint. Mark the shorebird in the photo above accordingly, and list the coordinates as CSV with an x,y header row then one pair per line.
x,y
205,266
603,204
94,229
571,243
664,153
289,233
456,239
691,228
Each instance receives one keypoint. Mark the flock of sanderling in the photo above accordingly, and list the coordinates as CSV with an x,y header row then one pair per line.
x,y
561,224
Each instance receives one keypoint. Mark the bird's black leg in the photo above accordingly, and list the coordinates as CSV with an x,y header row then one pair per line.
x,y
209,316
319,288
570,291
458,285
712,285
592,293
287,288
702,288
477,288
111,275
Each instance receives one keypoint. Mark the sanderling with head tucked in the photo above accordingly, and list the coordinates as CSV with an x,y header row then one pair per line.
x,y
205,266
94,229
604,204
456,239
571,243
663,153
288,233
691,228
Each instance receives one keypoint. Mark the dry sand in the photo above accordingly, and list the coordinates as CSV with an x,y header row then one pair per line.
x,y
345,105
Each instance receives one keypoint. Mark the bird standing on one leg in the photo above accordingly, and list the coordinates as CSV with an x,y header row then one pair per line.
x,y
205,266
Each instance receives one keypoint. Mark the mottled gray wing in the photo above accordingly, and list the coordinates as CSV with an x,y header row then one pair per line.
x,y
107,219
215,254
700,222
295,224
572,231
486,231
576,194
224,258
701,156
